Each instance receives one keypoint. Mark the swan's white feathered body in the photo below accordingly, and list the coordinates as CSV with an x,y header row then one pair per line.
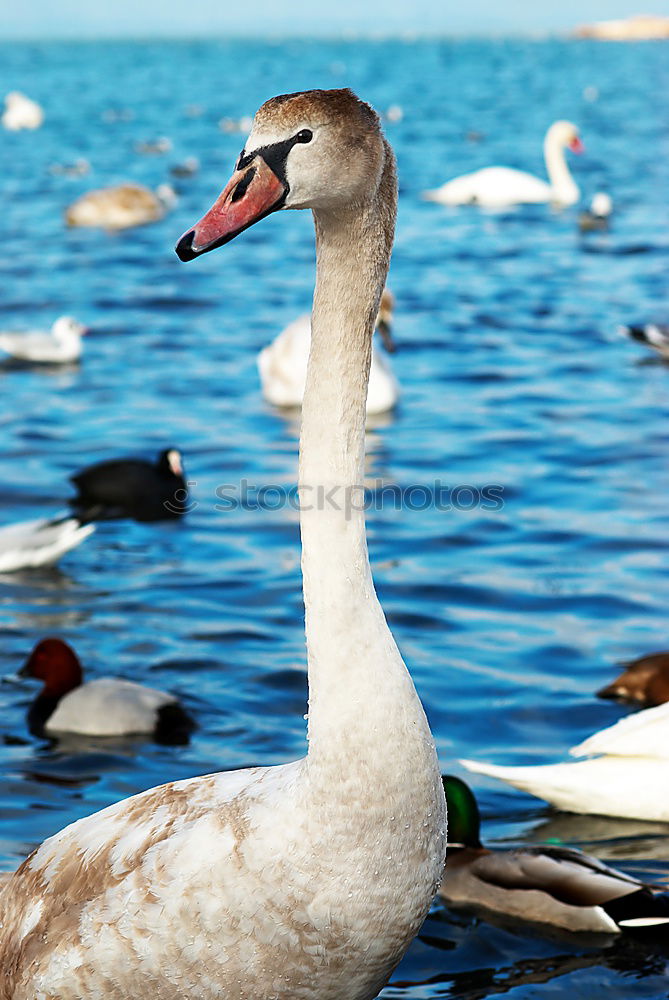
x,y
627,777
61,345
500,187
282,366
21,112
305,881
40,542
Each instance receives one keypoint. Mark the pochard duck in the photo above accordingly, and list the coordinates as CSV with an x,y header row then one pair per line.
x,y
107,706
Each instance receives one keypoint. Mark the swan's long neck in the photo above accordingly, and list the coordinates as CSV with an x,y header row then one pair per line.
x,y
564,187
356,674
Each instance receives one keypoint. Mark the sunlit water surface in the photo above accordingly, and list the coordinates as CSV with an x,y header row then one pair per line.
x,y
512,375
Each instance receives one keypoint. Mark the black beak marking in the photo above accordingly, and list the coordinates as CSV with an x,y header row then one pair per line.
x,y
242,187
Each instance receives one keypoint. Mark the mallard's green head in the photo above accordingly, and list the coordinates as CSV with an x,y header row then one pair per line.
x,y
464,820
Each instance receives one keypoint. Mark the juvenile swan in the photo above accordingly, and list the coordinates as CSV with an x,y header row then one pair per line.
x,y
305,881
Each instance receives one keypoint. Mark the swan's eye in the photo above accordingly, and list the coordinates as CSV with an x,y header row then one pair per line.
x,y
304,135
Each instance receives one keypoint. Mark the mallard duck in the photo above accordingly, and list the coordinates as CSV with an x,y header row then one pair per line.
x,y
559,886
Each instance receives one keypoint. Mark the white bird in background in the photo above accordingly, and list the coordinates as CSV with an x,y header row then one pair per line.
x,y
20,112
41,542
61,345
597,217
306,880
121,207
282,365
500,187
625,773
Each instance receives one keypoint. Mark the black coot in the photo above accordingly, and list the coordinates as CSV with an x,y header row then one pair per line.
x,y
132,487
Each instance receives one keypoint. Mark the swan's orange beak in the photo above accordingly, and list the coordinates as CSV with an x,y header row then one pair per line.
x,y
250,195
576,145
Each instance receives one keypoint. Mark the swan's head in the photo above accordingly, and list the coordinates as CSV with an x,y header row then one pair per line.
x,y
566,135
320,149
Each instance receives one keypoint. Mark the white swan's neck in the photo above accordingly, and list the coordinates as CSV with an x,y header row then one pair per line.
x,y
349,645
565,189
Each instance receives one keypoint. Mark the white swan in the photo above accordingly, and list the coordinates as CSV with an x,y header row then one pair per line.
x,y
626,772
282,365
121,207
21,112
29,544
499,187
305,881
61,345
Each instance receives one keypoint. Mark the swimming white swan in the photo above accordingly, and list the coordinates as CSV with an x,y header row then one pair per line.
x,y
625,774
29,544
305,881
21,112
121,207
282,365
60,345
498,187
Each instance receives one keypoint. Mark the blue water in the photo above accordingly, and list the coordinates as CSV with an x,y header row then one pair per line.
x,y
512,374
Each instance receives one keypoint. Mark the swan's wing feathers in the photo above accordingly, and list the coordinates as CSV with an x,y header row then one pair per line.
x,y
139,852
643,734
